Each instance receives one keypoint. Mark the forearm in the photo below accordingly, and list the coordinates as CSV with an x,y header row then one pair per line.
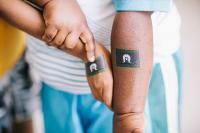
x,y
132,31
22,16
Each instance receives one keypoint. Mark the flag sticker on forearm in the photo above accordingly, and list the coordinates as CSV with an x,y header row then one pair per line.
x,y
127,58
93,68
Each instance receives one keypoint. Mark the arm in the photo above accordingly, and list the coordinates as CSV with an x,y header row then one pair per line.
x,y
29,20
132,34
63,31
58,29
22,16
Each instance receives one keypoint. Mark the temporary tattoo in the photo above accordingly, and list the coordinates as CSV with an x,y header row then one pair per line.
x,y
93,68
127,58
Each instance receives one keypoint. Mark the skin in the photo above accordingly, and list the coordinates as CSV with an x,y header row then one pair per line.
x,y
63,31
130,90
23,127
41,2
32,22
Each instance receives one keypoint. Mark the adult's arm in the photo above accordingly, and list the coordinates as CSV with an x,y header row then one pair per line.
x,y
22,16
28,19
132,30
131,35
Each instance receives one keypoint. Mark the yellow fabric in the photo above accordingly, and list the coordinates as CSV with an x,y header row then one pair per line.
x,y
12,44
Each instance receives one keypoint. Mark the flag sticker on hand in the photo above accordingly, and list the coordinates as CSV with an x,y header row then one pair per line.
x,y
93,68
127,58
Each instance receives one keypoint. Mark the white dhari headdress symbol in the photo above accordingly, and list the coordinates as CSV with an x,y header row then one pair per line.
x,y
93,67
126,58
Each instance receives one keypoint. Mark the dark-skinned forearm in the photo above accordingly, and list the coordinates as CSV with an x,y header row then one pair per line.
x,y
22,16
132,31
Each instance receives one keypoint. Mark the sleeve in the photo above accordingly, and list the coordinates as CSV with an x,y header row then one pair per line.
x,y
142,5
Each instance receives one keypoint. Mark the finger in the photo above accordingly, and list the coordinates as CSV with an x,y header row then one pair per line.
x,y
88,39
60,38
107,97
49,34
72,39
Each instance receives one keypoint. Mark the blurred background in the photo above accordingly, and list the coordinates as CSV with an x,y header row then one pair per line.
x,y
190,38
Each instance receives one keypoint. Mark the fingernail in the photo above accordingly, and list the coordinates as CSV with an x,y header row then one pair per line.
x,y
83,39
92,59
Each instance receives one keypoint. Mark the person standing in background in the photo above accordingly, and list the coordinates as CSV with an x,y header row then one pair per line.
x,y
16,96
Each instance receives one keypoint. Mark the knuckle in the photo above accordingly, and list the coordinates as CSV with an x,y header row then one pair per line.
x,y
48,23
69,45
58,42
49,35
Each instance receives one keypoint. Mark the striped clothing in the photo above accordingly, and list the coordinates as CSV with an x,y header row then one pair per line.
x,y
59,69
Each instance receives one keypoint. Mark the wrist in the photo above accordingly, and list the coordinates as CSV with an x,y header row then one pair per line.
x,y
119,109
132,122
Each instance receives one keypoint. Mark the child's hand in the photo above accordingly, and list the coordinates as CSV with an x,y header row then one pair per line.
x,y
129,123
101,83
65,24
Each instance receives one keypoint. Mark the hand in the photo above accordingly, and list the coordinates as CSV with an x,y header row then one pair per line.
x,y
101,84
129,123
65,24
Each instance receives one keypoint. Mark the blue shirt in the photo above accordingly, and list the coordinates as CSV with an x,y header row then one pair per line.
x,y
142,5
